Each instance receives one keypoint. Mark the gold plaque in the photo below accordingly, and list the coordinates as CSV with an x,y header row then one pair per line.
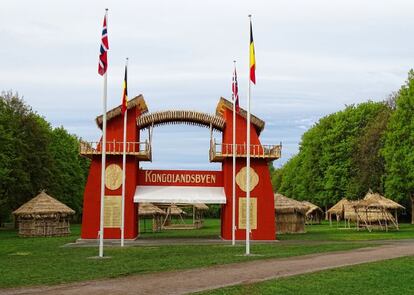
x,y
112,211
242,213
241,179
113,177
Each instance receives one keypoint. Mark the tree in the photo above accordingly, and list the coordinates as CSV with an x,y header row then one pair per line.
x,y
34,156
398,149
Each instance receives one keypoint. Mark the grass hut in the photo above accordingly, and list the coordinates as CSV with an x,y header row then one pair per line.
x,y
290,215
374,211
386,203
174,211
371,214
43,216
343,210
150,211
314,214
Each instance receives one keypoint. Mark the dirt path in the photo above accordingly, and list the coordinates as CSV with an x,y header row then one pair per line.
x,y
187,281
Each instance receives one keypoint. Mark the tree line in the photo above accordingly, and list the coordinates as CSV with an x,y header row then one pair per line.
x,y
365,146
34,156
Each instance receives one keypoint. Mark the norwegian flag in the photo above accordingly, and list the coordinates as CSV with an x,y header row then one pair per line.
x,y
103,56
235,90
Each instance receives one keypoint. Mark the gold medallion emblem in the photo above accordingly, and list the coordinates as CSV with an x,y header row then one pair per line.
x,y
241,179
113,177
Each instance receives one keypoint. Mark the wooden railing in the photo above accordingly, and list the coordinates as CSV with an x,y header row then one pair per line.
x,y
139,149
219,151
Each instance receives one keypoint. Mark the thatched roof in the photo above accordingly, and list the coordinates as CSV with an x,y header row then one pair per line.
x,y
175,210
224,103
374,214
382,201
43,205
338,208
136,101
182,116
200,206
148,209
286,205
344,208
312,208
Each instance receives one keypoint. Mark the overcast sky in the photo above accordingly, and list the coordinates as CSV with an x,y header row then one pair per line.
x,y
313,57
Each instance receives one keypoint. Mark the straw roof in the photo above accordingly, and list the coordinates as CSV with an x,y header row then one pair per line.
x,y
224,103
382,201
175,210
312,208
344,208
286,205
338,208
374,214
200,206
136,101
148,209
182,116
42,205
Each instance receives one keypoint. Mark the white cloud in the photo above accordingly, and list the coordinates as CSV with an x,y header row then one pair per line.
x,y
313,57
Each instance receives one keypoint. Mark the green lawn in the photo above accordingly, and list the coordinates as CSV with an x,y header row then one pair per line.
x,y
385,277
36,261
324,232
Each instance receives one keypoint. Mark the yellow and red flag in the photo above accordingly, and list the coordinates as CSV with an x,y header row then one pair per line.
x,y
252,57
125,94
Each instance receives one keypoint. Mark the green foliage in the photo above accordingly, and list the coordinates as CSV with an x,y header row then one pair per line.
x,y
324,170
399,146
367,146
34,156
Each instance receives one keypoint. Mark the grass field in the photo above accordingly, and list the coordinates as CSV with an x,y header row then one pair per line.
x,y
36,261
324,232
385,277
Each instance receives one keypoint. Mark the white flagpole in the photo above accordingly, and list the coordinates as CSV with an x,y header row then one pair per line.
x,y
103,165
248,164
124,169
233,225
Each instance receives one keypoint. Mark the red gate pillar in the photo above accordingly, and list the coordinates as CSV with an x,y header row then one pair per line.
x,y
262,192
92,193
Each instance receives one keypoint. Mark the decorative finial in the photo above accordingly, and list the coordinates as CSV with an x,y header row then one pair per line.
x,y
250,15
106,9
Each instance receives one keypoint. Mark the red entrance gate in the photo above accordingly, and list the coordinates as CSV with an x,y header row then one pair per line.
x,y
262,199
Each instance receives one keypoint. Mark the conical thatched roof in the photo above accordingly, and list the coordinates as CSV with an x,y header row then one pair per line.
x,y
312,208
382,201
148,209
286,205
201,206
43,204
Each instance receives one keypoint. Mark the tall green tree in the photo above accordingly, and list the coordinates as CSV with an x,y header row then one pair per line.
x,y
324,169
34,156
398,150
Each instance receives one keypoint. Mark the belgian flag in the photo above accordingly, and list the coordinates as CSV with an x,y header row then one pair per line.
x,y
252,57
125,93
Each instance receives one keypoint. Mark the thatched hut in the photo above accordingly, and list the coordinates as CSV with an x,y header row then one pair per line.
x,y
314,214
343,210
290,215
43,216
374,211
150,211
172,210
